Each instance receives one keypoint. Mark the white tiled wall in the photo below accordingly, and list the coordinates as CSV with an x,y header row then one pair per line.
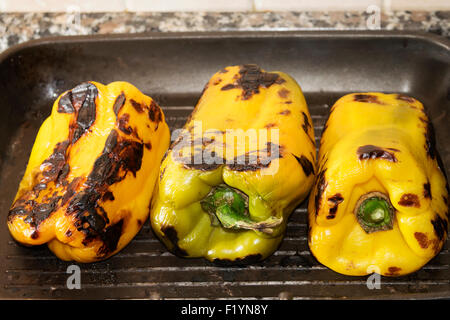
x,y
217,5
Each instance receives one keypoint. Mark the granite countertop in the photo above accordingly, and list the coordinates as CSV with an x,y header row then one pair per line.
x,y
20,27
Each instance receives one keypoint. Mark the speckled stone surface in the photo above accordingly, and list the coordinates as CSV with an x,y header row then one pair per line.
x,y
20,27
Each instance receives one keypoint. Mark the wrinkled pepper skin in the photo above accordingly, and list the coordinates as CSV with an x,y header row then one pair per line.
x,y
378,143
237,97
89,180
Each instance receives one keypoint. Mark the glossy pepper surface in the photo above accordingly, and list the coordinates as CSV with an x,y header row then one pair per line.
x,y
87,187
380,200
243,161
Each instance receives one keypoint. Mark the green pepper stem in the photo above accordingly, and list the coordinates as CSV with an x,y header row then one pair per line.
x,y
374,212
228,207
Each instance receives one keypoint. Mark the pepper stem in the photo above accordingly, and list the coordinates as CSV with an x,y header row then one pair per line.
x,y
228,207
374,212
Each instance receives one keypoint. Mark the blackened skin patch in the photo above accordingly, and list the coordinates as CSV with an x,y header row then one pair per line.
x,y
154,112
65,103
306,123
393,271
122,123
409,200
119,154
110,238
440,227
108,196
252,162
335,200
405,98
366,98
83,101
53,169
137,106
321,186
119,157
251,78
283,93
307,166
427,191
171,234
250,259
285,112
119,103
373,152
430,140
270,125
422,239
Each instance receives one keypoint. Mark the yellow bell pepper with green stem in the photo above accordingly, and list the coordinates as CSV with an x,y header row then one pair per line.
x,y
380,200
89,180
243,161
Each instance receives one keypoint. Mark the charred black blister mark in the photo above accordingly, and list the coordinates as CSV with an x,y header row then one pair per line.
x,y
270,125
110,238
409,200
306,125
119,103
307,165
250,259
108,196
84,206
119,157
422,239
118,154
83,100
430,140
405,98
440,227
283,93
65,103
200,166
36,213
54,168
366,98
62,176
251,78
285,112
253,161
154,112
171,235
321,186
161,174
427,190
137,106
53,165
122,123
374,152
70,190
335,200
393,271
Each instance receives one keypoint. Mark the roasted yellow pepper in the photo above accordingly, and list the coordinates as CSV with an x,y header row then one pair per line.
x,y
243,161
380,200
89,180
